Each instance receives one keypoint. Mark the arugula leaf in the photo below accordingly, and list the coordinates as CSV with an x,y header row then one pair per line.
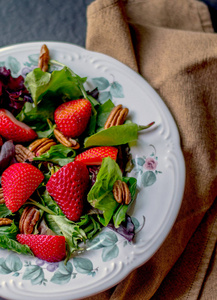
x,y
13,245
58,154
71,231
101,196
113,136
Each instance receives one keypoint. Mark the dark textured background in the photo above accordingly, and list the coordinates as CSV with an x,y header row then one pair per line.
x,y
43,20
52,20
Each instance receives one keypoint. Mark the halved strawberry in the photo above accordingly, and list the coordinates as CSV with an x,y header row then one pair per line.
x,y
94,156
12,129
46,247
68,187
19,181
72,117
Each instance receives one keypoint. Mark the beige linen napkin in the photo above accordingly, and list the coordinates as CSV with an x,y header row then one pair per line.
x,y
171,43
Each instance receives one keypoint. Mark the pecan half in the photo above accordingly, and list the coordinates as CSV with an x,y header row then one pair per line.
x,y
68,142
28,220
22,153
117,116
121,192
5,221
2,200
43,58
41,146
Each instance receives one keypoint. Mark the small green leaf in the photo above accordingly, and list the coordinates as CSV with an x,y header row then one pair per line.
x,y
83,265
33,58
148,178
59,278
139,161
108,239
65,269
110,253
63,274
104,96
35,274
135,222
13,64
101,83
116,90
13,263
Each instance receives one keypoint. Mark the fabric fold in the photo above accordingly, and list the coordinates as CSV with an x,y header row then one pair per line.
x,y
173,46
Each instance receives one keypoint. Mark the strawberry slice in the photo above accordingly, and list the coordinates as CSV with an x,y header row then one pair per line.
x,y
46,247
68,187
72,117
19,181
94,156
12,129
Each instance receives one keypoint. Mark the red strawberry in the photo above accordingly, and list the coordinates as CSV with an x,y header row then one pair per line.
x,y
68,187
46,247
72,117
94,156
12,129
19,181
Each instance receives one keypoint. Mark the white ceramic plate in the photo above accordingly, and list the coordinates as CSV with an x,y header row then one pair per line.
x,y
160,172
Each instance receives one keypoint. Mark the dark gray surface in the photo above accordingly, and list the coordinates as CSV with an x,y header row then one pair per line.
x,y
43,20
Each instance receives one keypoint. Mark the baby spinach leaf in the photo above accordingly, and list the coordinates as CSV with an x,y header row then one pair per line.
x,y
113,136
103,112
101,195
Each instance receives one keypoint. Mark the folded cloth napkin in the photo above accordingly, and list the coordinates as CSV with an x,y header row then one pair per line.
x,y
171,43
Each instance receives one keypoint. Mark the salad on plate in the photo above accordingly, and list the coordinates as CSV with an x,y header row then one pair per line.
x,y
64,161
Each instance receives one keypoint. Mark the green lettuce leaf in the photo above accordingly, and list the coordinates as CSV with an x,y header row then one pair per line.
x,y
71,231
59,83
9,230
51,204
10,244
101,196
4,211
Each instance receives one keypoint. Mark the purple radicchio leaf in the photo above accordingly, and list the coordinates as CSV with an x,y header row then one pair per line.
x,y
13,93
126,229
93,171
6,155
